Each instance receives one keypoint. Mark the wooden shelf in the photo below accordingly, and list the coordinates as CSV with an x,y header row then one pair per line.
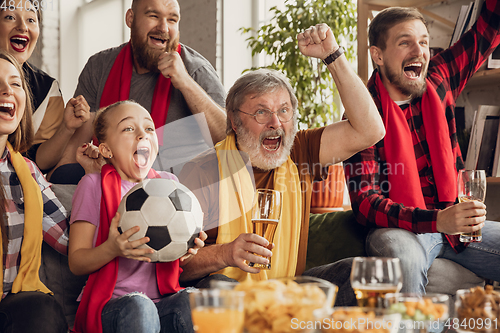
x,y
484,78
492,180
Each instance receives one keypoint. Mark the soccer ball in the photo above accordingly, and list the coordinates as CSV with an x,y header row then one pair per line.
x,y
167,212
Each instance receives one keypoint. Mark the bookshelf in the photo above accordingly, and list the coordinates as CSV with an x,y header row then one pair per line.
x,y
481,78
484,78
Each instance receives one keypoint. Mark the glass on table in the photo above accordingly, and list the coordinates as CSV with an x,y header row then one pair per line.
x,y
217,310
471,186
374,277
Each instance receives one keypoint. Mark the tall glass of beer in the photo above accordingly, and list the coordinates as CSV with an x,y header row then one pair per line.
x,y
471,186
374,277
266,214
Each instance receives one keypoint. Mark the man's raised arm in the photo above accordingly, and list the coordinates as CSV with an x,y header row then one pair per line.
x,y
364,126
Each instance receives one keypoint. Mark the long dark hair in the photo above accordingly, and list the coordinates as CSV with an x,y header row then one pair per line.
x,y
37,7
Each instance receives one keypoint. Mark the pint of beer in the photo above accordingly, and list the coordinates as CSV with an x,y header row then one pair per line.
x,y
266,214
471,186
374,277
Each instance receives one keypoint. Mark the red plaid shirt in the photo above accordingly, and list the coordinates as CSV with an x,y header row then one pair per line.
x,y
366,172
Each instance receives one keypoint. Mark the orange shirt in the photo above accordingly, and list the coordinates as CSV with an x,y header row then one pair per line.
x,y
201,175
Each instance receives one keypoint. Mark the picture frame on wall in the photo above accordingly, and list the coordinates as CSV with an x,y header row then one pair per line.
x,y
484,148
494,59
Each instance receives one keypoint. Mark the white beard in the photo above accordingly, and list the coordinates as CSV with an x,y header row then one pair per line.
x,y
253,147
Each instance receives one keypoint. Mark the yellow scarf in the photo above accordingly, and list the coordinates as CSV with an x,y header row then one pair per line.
x,y
27,278
236,194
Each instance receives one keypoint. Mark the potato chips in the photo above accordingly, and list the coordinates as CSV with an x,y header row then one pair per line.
x,y
271,305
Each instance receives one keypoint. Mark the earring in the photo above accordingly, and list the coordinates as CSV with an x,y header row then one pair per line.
x,y
109,156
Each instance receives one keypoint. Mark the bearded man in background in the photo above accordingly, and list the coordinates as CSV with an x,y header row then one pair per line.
x,y
170,79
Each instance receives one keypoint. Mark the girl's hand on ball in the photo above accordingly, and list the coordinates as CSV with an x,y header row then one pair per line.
x,y
121,245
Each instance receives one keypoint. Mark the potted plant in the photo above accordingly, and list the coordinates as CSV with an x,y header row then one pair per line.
x,y
318,102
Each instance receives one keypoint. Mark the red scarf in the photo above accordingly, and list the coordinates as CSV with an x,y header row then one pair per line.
x,y
117,88
101,283
398,146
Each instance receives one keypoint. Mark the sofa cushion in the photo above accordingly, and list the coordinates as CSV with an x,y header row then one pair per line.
x,y
334,236
446,276
56,275
337,235
54,268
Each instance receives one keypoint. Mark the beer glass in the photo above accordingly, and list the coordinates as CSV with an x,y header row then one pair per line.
x,y
471,186
217,310
266,214
374,277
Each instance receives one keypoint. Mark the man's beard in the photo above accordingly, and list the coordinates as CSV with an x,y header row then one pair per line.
x,y
146,56
252,146
413,89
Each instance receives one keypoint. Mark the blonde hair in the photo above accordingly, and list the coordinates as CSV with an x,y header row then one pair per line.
x,y
100,121
22,138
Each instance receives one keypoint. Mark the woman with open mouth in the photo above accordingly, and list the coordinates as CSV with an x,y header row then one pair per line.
x,y
29,214
53,124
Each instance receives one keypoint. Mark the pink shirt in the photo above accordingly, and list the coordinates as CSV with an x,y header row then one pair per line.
x,y
133,275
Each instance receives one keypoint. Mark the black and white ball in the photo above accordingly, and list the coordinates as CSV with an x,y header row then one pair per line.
x,y
167,212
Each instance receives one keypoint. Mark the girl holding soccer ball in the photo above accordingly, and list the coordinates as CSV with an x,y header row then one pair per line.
x,y
125,292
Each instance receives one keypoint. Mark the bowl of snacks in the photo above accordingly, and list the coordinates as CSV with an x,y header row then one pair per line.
x,y
477,310
419,313
357,319
285,305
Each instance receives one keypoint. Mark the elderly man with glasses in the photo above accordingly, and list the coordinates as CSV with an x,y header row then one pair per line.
x,y
264,149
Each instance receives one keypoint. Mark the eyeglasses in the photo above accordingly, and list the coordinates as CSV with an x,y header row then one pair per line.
x,y
262,116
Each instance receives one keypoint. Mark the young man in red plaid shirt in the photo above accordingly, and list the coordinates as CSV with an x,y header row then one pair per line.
x,y
405,185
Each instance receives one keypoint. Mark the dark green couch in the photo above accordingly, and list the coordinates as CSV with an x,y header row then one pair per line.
x,y
337,235
334,236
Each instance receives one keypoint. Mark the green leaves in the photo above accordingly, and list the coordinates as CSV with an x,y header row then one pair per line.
x,y
310,79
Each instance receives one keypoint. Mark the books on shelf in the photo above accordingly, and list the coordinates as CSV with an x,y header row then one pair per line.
x,y
466,18
494,59
483,152
476,10
462,22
